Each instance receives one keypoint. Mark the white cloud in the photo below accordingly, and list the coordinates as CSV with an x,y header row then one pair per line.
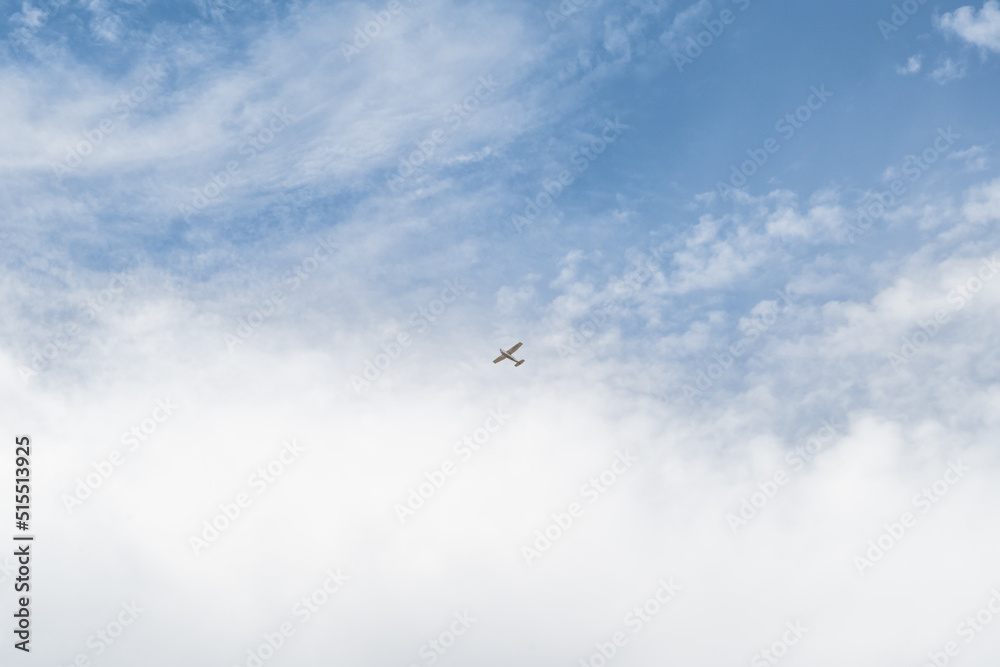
x,y
948,71
983,203
665,517
981,29
683,22
617,42
912,65
975,157
29,16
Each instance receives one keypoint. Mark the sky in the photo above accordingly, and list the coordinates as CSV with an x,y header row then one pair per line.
x,y
258,258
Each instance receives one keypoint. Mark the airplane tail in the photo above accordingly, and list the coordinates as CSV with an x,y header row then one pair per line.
x,y
518,363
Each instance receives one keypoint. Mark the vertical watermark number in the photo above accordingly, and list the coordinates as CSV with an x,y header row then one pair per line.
x,y
22,541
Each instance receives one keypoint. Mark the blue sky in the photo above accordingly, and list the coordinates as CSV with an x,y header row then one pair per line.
x,y
297,232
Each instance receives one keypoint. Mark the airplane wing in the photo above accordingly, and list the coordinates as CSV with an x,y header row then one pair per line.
x,y
513,349
499,359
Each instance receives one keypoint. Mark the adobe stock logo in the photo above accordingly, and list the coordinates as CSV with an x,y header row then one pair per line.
x,y
421,321
695,46
924,501
960,297
762,319
433,649
636,620
64,339
914,167
968,629
366,32
786,126
231,510
453,118
752,505
105,637
899,17
217,183
437,477
593,489
105,468
779,649
628,286
75,155
581,158
303,610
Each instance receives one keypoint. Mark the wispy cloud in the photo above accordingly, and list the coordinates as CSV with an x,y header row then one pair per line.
x,y
948,71
912,65
684,22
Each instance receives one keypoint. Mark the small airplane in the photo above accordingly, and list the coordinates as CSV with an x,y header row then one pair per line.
x,y
509,355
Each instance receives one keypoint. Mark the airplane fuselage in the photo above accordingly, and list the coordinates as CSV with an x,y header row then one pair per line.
x,y
509,354
504,353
